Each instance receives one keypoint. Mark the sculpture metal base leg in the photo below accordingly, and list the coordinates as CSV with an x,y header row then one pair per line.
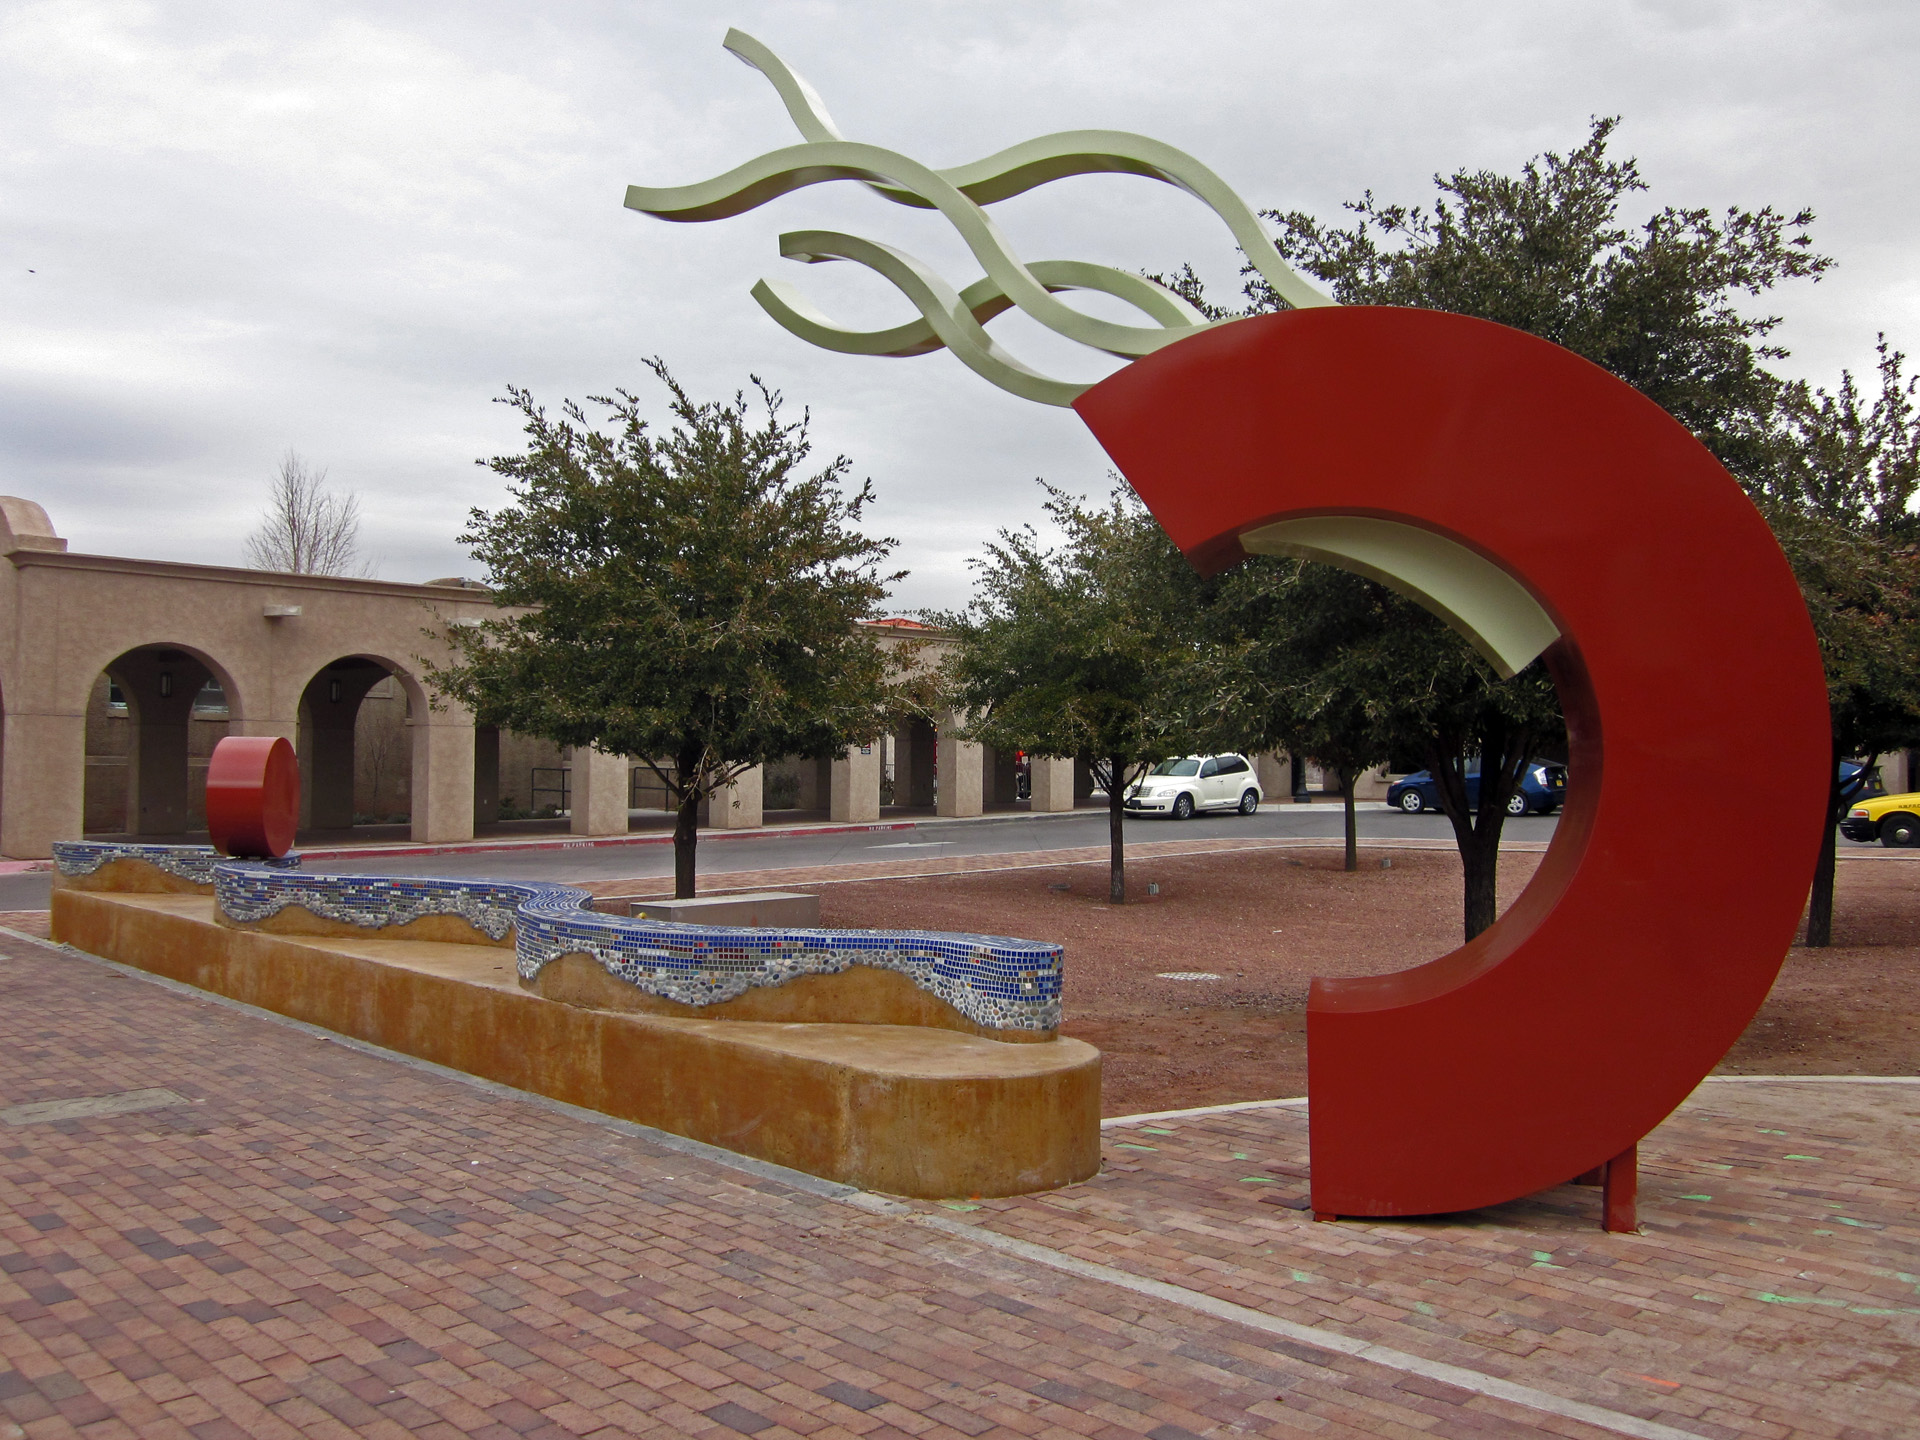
x,y
1620,1191
1619,1182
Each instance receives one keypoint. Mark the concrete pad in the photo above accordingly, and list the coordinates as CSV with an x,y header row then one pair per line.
x,y
759,908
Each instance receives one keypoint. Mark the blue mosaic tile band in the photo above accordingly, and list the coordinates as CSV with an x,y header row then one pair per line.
x,y
995,981
248,892
193,863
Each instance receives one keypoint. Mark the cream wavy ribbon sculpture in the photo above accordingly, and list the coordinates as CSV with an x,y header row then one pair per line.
x,y
956,320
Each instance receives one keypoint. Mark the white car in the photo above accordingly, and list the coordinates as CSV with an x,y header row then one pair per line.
x,y
1195,782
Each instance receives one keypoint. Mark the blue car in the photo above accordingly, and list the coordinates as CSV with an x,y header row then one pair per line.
x,y
1543,786
1863,787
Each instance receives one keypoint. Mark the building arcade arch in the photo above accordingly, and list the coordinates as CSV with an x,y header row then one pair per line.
x,y
153,714
263,637
355,743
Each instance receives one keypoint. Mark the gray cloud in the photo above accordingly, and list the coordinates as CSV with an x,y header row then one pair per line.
x,y
345,227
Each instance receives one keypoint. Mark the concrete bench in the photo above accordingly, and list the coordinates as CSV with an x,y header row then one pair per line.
x,y
919,1063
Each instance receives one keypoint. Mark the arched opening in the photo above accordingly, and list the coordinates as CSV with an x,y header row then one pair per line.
x,y
912,756
153,717
356,747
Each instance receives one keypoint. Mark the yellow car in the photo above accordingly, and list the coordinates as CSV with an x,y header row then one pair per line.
x,y
1893,820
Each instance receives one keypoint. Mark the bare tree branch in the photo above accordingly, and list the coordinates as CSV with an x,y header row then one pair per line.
x,y
307,529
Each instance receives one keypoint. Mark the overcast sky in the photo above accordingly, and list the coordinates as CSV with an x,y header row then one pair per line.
x,y
229,229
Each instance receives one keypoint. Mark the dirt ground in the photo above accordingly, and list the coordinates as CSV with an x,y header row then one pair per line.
x,y
1265,921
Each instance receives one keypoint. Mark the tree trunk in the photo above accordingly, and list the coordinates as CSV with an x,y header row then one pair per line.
x,y
1480,858
1116,831
1500,770
1348,779
686,826
1820,903
1503,759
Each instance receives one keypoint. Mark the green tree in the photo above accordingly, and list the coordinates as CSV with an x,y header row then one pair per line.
x,y
1328,664
1849,458
1080,649
1546,251
688,597
1286,670
1659,304
1839,497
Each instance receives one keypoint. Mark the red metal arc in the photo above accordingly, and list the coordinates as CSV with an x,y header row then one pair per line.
x,y
253,796
1661,913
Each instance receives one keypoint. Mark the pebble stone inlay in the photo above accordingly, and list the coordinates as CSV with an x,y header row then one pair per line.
x,y
995,981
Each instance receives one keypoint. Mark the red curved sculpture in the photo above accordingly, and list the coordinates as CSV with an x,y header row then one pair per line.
x,y
253,797
1645,944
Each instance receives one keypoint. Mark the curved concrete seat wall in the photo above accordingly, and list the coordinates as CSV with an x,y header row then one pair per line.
x,y
876,1058
140,869
281,901
990,985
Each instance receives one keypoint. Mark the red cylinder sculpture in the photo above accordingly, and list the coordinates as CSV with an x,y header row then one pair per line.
x,y
1653,929
253,796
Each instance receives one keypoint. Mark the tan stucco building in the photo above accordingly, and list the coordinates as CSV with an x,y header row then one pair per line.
x,y
118,675
291,655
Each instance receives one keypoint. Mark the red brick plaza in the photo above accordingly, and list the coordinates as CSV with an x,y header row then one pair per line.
x,y
306,1238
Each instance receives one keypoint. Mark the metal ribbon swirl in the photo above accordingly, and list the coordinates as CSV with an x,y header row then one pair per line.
x,y
955,320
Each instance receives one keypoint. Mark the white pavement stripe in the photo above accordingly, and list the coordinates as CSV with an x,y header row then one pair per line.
x,y
1812,1080
1301,1101
1472,1381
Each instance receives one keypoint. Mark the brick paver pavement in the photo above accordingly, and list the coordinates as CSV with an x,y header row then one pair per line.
x,y
1772,1290
321,1241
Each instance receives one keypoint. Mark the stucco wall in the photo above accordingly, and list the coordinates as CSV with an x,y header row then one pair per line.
x,y
71,764
65,618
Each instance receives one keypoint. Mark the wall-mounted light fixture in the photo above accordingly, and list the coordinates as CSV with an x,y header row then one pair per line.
x,y
333,691
166,683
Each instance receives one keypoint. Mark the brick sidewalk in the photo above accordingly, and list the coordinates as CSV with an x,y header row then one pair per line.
x,y
325,1242
1771,1292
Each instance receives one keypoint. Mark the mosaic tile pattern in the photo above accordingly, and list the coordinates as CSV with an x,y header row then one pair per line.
x,y
193,863
248,893
995,981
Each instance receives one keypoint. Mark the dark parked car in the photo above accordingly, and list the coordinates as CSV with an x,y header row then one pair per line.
x,y
1543,786
1865,787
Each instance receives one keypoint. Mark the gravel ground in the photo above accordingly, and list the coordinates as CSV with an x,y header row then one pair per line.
x,y
1265,922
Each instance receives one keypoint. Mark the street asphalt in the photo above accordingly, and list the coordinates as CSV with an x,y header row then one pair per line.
x,y
1011,834
1015,834
720,852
